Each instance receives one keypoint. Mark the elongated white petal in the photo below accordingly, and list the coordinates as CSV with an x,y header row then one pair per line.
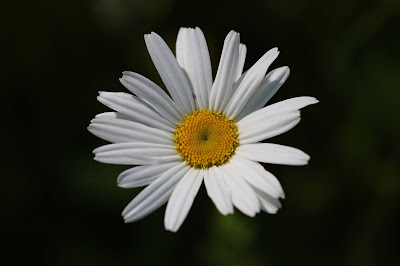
x,y
182,199
170,72
144,174
255,174
155,194
152,94
292,104
268,203
193,56
221,91
250,175
276,108
123,160
242,59
249,82
169,158
146,148
120,130
268,127
273,153
148,152
218,190
136,109
267,89
113,115
243,196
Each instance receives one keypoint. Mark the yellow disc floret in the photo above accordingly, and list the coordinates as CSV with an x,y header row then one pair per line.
x,y
206,138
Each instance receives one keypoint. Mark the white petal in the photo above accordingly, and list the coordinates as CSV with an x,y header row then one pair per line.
x,y
268,87
292,104
136,109
268,126
255,174
279,107
155,194
144,174
147,152
221,90
152,94
218,190
249,82
242,59
120,130
276,108
268,203
243,196
123,160
170,158
193,56
113,115
273,153
182,199
170,72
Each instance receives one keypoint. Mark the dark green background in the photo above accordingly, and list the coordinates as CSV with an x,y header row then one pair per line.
x,y
59,207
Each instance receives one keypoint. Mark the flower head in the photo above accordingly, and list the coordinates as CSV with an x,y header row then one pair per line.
x,y
203,130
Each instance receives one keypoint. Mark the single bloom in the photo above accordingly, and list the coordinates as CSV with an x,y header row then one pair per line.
x,y
204,129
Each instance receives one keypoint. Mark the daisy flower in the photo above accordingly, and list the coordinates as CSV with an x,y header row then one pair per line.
x,y
200,130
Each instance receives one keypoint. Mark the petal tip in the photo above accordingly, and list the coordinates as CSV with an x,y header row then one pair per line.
x,y
124,213
312,100
127,73
198,29
170,229
96,150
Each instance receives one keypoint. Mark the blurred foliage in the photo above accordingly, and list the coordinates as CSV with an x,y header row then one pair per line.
x,y
62,208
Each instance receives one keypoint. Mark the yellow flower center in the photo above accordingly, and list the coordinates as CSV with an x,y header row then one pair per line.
x,y
206,138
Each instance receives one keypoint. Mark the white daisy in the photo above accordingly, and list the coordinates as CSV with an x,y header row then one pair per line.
x,y
203,130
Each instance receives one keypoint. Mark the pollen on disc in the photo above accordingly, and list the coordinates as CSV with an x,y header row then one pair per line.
x,y
206,138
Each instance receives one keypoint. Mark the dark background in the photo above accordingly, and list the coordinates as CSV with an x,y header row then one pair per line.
x,y
59,207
